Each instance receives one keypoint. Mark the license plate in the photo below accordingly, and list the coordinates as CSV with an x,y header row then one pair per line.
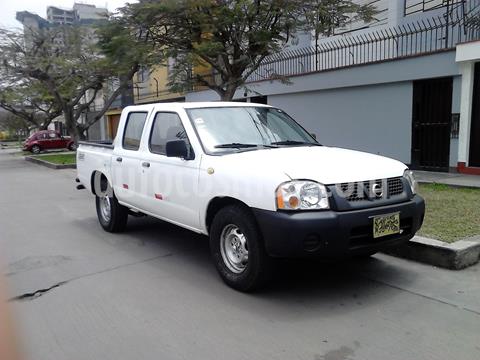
x,y
386,225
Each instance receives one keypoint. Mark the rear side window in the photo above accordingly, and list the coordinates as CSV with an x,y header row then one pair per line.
x,y
133,130
166,127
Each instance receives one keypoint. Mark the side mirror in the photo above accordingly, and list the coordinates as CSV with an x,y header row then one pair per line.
x,y
177,148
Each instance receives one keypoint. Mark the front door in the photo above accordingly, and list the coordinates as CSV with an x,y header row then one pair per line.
x,y
474,158
171,183
432,107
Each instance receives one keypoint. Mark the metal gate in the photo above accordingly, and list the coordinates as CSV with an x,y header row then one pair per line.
x,y
474,158
432,107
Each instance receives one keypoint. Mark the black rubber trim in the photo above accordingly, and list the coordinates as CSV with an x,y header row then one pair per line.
x,y
332,234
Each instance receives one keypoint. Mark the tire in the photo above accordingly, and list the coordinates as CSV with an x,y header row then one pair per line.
x,y
232,227
72,147
112,217
35,149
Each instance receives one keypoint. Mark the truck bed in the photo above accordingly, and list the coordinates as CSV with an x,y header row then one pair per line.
x,y
93,156
98,143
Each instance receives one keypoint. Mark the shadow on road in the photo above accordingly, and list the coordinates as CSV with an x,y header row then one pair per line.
x,y
333,286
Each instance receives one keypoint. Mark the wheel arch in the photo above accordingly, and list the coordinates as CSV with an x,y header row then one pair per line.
x,y
218,203
104,179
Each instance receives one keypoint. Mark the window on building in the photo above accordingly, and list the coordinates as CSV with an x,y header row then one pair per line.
x,y
167,126
133,130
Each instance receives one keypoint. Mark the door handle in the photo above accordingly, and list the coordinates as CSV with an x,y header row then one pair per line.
x,y
146,164
119,159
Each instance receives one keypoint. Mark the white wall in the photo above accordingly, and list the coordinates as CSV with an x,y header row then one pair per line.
x,y
374,118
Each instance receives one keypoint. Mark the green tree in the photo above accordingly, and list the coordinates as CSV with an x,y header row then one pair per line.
x,y
13,125
230,37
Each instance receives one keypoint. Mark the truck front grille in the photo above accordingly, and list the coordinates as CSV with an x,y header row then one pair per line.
x,y
363,190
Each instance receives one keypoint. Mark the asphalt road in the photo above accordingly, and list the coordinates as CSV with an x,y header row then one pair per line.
x,y
78,292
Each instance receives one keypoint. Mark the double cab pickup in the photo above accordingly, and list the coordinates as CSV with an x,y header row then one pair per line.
x,y
254,181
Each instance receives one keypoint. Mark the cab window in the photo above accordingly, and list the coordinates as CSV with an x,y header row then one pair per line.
x,y
133,130
167,126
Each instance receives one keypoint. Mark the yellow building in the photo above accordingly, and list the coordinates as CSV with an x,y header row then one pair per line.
x,y
150,86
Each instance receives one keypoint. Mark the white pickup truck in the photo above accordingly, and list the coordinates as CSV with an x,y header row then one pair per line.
x,y
253,180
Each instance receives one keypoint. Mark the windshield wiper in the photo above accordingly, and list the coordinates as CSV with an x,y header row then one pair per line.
x,y
293,142
244,146
235,146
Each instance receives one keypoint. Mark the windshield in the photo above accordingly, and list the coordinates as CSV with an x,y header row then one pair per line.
x,y
238,128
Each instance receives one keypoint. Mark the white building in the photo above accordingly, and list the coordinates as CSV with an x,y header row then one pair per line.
x,y
406,86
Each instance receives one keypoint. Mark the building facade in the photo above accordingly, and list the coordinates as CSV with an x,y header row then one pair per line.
x,y
406,86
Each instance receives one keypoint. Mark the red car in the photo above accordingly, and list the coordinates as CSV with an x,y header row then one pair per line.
x,y
47,140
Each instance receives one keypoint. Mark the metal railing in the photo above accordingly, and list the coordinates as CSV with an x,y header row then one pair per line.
x,y
419,6
414,39
423,37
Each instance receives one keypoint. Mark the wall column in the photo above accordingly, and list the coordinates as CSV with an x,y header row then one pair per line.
x,y
466,69
396,10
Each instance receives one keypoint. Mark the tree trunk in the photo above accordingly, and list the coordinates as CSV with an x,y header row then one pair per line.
x,y
229,93
71,125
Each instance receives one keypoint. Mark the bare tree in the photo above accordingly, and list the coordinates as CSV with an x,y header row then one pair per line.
x,y
70,65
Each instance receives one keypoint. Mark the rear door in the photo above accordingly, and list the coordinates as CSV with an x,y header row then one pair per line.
x,y
171,184
127,160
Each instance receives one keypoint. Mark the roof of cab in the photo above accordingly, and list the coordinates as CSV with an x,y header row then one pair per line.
x,y
192,105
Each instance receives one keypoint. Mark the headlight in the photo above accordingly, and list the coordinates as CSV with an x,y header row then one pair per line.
x,y
302,195
408,175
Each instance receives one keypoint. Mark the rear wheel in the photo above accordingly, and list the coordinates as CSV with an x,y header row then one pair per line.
x,y
111,215
35,149
237,249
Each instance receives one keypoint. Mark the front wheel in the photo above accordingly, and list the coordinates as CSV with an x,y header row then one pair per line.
x,y
237,249
111,215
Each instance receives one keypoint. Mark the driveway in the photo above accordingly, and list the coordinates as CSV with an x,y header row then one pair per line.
x,y
152,293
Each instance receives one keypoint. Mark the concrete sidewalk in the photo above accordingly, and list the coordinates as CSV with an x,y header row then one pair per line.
x,y
454,179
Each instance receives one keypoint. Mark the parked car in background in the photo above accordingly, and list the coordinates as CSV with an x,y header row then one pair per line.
x,y
48,140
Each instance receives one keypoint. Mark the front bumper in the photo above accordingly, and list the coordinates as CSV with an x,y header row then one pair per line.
x,y
331,234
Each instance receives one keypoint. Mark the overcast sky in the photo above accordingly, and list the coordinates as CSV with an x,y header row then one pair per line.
x,y
8,8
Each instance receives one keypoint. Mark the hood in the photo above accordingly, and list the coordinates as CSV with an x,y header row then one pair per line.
x,y
327,165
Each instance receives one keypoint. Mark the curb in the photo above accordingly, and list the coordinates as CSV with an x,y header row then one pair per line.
x,y
49,164
455,256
